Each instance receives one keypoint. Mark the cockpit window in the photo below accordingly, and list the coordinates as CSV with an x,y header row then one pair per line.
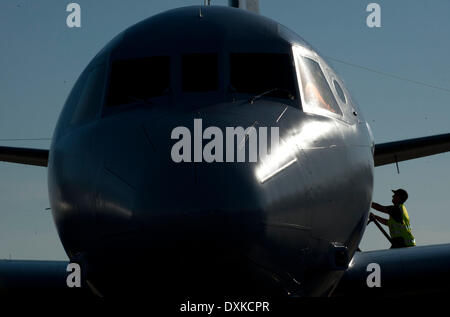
x,y
138,79
256,73
200,72
339,91
317,92
90,99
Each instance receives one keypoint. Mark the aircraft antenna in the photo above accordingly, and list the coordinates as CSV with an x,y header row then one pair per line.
x,y
250,5
388,74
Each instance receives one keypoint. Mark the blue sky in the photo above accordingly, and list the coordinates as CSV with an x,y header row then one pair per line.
x,y
41,58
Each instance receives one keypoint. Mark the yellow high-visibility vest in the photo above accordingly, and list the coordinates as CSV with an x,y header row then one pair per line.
x,y
402,230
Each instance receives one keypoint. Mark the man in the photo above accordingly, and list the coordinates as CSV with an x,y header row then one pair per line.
x,y
398,221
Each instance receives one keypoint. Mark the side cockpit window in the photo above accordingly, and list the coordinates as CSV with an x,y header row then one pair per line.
x,y
90,99
339,91
85,99
317,94
139,79
258,73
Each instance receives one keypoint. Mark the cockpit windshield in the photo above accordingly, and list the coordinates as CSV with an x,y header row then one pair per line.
x,y
257,73
138,79
199,72
317,92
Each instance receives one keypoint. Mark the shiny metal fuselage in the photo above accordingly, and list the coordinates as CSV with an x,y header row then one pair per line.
x,y
133,217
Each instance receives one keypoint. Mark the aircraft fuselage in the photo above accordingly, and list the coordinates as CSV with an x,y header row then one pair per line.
x,y
287,223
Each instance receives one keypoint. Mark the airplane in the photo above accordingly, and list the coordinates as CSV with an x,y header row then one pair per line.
x,y
135,220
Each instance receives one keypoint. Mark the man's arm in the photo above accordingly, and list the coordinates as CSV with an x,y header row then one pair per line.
x,y
380,208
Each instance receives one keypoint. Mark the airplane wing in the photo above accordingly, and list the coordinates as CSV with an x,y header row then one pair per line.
x,y
32,279
414,271
392,152
26,156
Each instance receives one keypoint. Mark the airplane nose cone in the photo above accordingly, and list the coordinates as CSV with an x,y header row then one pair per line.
x,y
204,221
194,199
186,216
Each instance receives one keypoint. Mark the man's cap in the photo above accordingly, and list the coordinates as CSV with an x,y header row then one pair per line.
x,y
401,193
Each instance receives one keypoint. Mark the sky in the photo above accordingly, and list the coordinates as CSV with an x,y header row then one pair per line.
x,y
41,58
